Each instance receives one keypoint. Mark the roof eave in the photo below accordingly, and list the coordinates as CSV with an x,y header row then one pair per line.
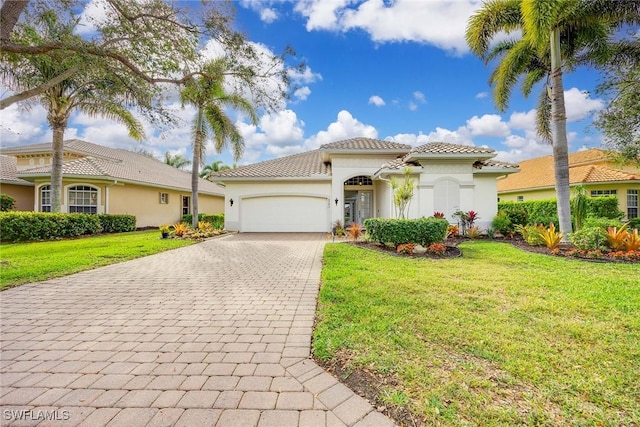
x,y
449,156
224,179
394,171
11,182
495,170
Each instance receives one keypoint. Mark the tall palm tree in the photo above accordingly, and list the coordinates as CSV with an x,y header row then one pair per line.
x,y
92,90
210,99
177,161
216,166
556,36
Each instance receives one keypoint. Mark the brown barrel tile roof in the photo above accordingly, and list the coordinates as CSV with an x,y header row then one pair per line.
x,y
444,148
302,165
362,143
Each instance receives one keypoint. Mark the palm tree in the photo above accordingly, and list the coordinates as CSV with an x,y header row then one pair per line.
x,y
177,161
556,36
92,90
216,166
209,97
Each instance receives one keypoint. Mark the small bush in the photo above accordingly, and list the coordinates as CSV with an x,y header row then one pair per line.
x,y
216,220
423,231
551,237
589,239
616,236
354,231
593,222
27,226
117,223
474,232
531,234
502,223
7,203
437,249
406,248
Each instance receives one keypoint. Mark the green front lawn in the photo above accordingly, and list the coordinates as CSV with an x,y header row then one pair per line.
x,y
32,262
496,337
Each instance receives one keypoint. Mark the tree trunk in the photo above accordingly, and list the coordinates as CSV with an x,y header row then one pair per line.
x,y
56,167
9,16
559,134
197,155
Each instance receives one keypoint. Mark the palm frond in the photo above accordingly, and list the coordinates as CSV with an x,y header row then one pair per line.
x,y
514,63
543,116
495,16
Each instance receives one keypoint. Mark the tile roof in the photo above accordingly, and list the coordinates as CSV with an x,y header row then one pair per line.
x,y
538,172
444,148
112,163
361,143
9,171
308,164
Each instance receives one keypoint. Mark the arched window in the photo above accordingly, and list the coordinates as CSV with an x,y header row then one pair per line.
x,y
83,199
45,198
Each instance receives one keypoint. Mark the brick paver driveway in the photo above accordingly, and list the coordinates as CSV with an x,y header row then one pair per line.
x,y
212,334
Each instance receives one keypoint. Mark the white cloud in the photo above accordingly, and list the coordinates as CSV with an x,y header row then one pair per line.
x,y
268,15
523,121
413,106
520,148
481,95
488,125
94,14
20,126
302,93
419,96
376,100
304,76
346,126
438,22
578,104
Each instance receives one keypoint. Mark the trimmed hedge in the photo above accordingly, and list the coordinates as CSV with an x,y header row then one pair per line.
x,y
27,226
117,223
216,220
545,211
423,231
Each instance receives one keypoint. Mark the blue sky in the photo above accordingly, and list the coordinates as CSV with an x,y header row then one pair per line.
x,y
398,70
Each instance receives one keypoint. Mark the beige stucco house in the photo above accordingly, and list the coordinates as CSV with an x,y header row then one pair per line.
x,y
98,179
594,169
349,181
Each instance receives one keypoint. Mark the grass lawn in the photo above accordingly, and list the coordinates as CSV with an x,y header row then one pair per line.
x,y
32,262
497,337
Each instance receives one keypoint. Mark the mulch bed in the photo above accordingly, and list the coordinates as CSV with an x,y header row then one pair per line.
x,y
453,251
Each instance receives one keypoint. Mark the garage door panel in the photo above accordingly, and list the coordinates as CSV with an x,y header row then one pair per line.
x,y
284,214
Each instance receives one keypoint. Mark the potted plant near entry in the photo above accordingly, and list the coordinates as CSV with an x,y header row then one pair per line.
x,y
164,230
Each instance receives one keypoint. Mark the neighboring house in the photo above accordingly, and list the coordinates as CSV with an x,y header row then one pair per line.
x,y
349,181
10,184
98,179
594,168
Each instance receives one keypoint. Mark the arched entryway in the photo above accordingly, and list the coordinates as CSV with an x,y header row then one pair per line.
x,y
358,199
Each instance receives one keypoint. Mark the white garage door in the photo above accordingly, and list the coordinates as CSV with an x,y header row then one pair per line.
x,y
284,214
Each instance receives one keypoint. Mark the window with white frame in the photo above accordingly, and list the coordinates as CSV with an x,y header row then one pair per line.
x,y
520,198
186,205
598,193
45,198
83,199
164,198
632,204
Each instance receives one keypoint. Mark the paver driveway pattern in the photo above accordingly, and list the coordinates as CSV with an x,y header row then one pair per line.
x,y
216,333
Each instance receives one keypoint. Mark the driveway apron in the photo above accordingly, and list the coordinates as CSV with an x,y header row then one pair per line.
x,y
214,334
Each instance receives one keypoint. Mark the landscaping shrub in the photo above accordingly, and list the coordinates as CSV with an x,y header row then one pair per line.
x,y
423,231
516,213
25,226
605,223
117,223
634,223
7,203
604,207
216,220
502,223
589,239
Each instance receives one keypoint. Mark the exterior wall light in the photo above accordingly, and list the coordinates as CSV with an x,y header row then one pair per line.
x,y
336,200
231,202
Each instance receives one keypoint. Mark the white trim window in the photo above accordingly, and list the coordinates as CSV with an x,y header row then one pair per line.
x,y
632,204
599,193
45,198
164,198
186,205
83,199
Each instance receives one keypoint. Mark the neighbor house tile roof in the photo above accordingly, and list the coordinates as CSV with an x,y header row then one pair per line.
x,y
365,144
302,165
9,171
115,164
538,172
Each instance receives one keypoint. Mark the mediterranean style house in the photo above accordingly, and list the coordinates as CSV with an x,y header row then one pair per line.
x,y
594,168
349,181
98,179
